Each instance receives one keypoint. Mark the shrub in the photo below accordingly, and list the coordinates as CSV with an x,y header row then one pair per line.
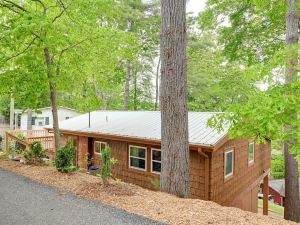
x,y
155,183
35,154
106,165
65,159
21,136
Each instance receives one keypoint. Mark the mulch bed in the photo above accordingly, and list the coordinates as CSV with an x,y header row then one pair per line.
x,y
152,204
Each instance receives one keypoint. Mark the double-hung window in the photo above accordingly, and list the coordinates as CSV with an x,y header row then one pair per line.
x,y
99,146
228,164
138,157
251,153
155,160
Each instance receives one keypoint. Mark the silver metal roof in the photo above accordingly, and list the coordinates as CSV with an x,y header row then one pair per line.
x,y
278,185
142,125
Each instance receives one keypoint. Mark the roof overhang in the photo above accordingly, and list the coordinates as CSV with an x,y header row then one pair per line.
x,y
141,140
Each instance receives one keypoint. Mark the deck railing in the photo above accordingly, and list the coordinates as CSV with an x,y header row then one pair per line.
x,y
32,133
25,137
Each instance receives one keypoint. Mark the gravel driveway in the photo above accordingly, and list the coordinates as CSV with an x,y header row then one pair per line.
x,y
24,202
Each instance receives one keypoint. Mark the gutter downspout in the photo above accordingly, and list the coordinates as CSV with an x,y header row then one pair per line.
x,y
206,172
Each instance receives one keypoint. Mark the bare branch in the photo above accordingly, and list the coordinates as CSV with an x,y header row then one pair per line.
x,y
22,52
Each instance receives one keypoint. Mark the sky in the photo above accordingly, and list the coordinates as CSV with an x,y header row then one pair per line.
x,y
195,6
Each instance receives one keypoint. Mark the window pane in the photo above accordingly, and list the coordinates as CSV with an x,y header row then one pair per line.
x,y
103,146
251,152
138,152
138,163
156,167
97,147
47,120
228,168
156,155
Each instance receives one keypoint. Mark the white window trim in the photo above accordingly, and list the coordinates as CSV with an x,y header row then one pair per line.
x,y
252,161
225,162
152,160
100,142
136,168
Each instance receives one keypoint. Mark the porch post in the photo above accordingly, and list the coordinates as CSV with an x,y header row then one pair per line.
x,y
16,121
266,195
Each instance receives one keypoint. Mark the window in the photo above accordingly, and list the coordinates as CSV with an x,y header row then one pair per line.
x,y
155,160
33,121
137,157
67,117
99,146
251,153
228,165
47,121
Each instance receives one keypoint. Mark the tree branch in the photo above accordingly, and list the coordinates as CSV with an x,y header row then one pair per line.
x,y
42,4
11,9
59,15
15,5
63,51
22,52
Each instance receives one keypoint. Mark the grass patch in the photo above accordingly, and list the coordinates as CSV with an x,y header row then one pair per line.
x,y
272,207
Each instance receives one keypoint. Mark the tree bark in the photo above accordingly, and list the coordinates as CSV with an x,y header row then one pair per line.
x,y
127,79
53,98
135,92
11,112
157,86
29,119
292,201
174,113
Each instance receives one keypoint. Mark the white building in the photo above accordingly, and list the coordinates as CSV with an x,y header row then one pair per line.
x,y
43,117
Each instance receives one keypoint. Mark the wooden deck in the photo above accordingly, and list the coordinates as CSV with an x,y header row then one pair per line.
x,y
43,136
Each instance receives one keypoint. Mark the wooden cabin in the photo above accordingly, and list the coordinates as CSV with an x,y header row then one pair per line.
x,y
228,172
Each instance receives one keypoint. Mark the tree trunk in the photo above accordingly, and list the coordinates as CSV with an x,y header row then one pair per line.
x,y
11,112
157,86
292,201
174,114
127,79
29,119
135,92
53,92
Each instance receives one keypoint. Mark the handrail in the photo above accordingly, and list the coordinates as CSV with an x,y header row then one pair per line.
x,y
42,136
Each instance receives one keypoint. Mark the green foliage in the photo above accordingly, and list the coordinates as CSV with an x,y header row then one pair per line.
x,y
214,83
277,166
88,42
106,165
35,154
65,159
21,136
253,36
250,31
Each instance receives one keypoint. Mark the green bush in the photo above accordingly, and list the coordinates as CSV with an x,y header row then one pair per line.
x,y
21,136
65,159
35,154
106,165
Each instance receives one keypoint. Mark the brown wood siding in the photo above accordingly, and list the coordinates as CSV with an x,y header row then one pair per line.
x,y
121,170
230,191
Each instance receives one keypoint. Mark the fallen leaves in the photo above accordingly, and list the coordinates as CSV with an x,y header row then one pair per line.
x,y
152,204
